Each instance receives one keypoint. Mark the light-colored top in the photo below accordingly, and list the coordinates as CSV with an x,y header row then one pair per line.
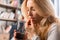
x,y
52,34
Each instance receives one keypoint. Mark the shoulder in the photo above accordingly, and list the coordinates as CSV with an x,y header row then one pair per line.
x,y
53,29
53,32
35,37
53,26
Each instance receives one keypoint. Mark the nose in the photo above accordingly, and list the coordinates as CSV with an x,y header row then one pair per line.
x,y
30,13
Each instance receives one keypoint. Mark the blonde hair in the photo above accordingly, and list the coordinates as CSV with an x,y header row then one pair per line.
x,y
48,14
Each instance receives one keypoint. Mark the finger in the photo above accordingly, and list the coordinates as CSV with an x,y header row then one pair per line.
x,y
14,34
32,23
15,30
27,22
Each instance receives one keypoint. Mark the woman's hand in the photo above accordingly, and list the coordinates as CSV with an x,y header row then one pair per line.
x,y
29,27
15,33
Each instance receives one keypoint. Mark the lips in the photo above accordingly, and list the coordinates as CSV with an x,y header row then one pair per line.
x,y
30,17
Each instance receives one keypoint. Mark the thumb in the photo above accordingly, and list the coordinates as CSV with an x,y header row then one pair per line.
x,y
15,30
14,33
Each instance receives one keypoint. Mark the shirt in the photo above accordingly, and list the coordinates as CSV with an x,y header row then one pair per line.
x,y
52,34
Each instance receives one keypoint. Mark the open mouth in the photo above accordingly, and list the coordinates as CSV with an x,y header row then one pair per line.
x,y
29,23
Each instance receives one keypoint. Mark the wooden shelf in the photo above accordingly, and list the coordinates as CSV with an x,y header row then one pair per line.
x,y
9,6
13,20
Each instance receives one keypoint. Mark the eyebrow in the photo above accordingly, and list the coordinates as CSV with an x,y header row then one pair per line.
x,y
31,7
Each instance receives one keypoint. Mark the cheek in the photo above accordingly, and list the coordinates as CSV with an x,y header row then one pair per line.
x,y
34,14
37,16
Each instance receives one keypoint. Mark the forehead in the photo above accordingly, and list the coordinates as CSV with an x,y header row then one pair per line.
x,y
30,3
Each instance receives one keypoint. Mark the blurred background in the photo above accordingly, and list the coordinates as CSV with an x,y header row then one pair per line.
x,y
57,7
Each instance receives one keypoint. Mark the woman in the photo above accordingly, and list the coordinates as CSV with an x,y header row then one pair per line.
x,y
40,20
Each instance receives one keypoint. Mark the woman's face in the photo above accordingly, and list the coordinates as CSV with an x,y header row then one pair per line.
x,y
32,12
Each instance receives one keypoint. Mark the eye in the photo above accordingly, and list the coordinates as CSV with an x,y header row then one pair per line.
x,y
33,9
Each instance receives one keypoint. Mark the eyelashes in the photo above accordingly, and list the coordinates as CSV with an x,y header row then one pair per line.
x,y
30,9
